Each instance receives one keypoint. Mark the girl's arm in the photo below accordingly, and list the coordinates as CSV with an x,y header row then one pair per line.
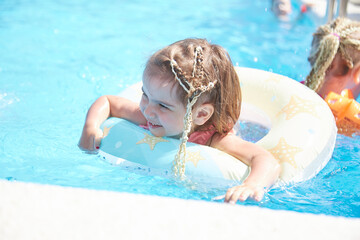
x,y
264,172
103,108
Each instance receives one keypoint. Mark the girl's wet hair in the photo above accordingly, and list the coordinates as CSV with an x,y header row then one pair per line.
x,y
338,37
205,74
215,66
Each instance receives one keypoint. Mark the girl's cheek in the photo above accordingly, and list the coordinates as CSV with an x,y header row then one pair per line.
x,y
141,108
142,104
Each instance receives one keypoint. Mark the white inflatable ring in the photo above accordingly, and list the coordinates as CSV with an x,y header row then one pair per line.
x,y
302,133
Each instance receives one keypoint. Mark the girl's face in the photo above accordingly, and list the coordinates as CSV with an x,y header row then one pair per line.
x,y
161,106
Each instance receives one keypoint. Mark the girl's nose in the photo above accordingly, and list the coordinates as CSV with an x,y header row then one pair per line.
x,y
149,111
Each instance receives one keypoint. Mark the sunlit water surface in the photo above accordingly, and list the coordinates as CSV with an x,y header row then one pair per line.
x,y
57,57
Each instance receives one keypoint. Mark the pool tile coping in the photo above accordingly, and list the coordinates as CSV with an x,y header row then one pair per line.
x,y
35,211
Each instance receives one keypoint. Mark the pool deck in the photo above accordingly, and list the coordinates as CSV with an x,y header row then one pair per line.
x,y
319,9
34,211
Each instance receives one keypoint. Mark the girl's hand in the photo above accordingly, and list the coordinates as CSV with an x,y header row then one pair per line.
x,y
103,108
90,139
244,192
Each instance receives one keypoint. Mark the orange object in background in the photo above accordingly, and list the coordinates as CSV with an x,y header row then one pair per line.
x,y
346,112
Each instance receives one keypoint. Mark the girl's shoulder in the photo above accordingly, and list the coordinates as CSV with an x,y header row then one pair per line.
x,y
222,140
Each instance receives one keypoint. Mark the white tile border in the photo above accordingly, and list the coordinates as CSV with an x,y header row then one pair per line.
x,y
34,211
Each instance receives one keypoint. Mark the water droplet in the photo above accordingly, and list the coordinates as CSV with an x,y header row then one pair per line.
x,y
118,144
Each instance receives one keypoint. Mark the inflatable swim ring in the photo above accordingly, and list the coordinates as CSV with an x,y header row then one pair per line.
x,y
301,137
346,112
135,144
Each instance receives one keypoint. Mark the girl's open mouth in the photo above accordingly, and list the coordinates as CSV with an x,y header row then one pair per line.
x,y
152,125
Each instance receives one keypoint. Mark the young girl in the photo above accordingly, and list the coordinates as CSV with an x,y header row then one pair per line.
x,y
334,58
190,91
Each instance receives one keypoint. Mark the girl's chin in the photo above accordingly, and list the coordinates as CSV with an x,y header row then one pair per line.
x,y
156,132
176,136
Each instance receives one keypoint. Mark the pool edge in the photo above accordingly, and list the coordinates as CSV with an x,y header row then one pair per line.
x,y
35,211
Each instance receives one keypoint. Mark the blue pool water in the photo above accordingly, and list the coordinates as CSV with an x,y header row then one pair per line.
x,y
57,57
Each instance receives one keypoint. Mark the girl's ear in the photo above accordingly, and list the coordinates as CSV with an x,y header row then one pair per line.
x,y
203,113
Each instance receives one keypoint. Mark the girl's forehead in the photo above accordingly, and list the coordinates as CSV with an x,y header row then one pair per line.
x,y
159,79
160,82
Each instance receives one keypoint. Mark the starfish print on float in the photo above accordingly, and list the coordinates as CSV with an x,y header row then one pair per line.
x,y
151,140
298,105
284,152
193,157
106,131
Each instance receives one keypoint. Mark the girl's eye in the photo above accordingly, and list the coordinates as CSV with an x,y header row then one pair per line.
x,y
164,106
144,95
